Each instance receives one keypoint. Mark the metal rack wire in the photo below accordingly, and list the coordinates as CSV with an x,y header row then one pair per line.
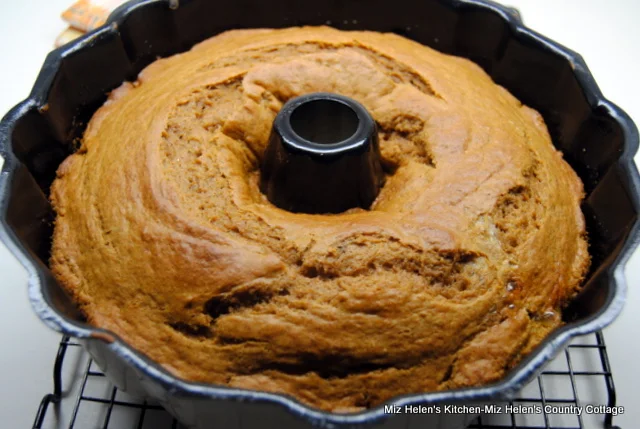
x,y
585,361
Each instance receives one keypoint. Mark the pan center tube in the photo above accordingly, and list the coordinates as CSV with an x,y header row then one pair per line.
x,y
323,156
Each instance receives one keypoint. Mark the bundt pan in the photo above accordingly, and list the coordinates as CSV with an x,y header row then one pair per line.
x,y
597,139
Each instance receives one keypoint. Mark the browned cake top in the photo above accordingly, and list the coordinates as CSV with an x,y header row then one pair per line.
x,y
460,267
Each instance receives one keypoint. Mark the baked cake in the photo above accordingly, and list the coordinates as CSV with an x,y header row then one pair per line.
x,y
460,267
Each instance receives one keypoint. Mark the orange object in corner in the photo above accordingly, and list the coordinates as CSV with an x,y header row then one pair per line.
x,y
86,15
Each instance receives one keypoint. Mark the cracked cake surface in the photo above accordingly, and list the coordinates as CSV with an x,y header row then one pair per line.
x,y
461,266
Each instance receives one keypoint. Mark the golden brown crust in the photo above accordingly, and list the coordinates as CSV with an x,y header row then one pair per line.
x,y
461,266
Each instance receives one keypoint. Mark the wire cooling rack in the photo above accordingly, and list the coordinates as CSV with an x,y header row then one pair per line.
x,y
579,376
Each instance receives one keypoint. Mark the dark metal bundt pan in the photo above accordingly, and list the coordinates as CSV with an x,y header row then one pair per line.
x,y
597,138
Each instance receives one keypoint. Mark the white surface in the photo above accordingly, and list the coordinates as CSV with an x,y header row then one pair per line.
x,y
606,33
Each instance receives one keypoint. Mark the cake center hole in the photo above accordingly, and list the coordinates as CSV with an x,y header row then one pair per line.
x,y
324,121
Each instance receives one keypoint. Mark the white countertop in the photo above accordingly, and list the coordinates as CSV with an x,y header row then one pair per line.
x,y
606,33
